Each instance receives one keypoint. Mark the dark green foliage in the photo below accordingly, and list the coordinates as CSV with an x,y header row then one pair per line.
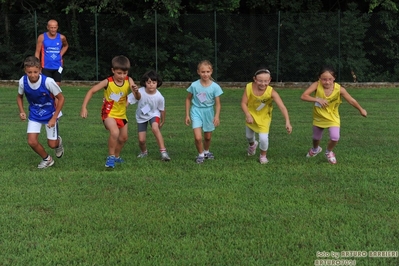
x,y
291,45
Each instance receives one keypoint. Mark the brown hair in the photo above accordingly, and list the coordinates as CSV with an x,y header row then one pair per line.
x,y
32,61
121,62
153,76
329,69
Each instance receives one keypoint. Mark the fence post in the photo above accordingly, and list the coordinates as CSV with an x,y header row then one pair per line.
x,y
156,41
35,26
96,39
278,45
339,46
216,52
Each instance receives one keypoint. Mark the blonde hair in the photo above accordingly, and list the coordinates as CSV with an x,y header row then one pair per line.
x,y
205,62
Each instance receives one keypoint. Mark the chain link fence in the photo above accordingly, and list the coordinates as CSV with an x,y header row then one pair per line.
x,y
292,45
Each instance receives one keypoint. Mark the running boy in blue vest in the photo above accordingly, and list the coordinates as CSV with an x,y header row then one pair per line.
x,y
50,48
40,92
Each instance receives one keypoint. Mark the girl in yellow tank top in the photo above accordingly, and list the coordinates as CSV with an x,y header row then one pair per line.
x,y
257,105
326,100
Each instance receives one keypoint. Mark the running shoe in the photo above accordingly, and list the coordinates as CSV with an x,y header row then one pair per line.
x,y
331,157
110,163
252,149
209,155
165,156
59,151
313,153
263,160
46,163
200,159
119,160
142,155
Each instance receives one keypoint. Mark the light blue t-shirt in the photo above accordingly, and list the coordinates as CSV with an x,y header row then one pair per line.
x,y
204,96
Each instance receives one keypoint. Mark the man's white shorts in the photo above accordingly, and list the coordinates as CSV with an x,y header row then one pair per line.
x,y
35,127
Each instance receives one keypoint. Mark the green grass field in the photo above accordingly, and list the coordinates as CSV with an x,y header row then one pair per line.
x,y
229,211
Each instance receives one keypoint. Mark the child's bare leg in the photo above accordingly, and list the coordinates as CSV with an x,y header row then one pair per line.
x,y
33,142
158,135
113,129
316,143
198,139
122,138
142,141
53,143
331,145
207,140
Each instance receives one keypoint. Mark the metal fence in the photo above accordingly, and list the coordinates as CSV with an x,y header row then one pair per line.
x,y
293,46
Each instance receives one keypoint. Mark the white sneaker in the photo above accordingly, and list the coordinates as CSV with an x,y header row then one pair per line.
x,y
313,153
59,151
209,155
331,157
252,149
263,160
142,154
165,156
46,163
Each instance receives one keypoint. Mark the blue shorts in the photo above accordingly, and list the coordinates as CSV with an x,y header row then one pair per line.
x,y
203,117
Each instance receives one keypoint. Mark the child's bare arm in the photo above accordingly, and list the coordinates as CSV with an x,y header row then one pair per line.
x,y
102,84
163,116
352,101
188,104
20,102
277,99
135,89
218,107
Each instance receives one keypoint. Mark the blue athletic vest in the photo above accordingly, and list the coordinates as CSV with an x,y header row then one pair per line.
x,y
41,101
51,52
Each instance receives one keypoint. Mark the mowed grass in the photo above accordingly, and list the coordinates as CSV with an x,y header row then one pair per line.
x,y
229,211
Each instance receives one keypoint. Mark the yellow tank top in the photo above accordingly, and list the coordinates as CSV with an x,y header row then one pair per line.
x,y
115,97
260,107
329,116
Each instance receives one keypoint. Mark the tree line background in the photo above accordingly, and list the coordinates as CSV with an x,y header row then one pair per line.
x,y
291,39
